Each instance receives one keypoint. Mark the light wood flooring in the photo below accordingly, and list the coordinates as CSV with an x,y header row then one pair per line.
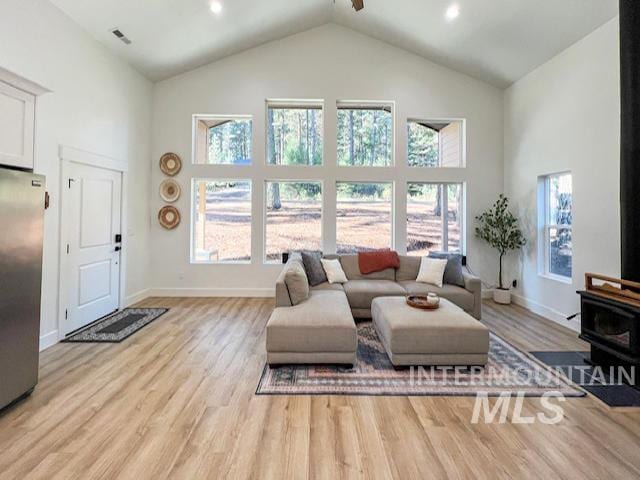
x,y
177,401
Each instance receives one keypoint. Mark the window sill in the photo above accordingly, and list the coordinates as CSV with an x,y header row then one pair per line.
x,y
556,278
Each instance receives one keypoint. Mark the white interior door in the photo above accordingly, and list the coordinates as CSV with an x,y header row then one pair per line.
x,y
91,209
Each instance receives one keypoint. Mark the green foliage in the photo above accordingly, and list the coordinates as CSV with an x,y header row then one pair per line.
x,y
422,146
294,136
230,142
499,228
364,137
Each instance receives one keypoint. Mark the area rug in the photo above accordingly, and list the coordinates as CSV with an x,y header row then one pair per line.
x,y
508,370
117,326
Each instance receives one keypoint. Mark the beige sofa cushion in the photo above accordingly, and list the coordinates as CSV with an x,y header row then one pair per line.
x,y
352,270
362,292
323,323
458,295
337,287
409,268
297,283
447,330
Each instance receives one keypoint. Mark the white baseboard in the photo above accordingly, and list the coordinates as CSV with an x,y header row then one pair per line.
x,y
136,297
211,292
547,312
48,340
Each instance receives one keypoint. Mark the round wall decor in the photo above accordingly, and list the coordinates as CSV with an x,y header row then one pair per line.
x,y
170,164
169,217
170,190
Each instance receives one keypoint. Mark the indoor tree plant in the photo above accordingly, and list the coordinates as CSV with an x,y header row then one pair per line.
x,y
499,228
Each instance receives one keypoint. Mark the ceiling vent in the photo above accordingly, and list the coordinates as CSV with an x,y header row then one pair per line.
x,y
121,36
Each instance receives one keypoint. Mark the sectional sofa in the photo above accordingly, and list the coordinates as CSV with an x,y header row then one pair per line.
x,y
322,329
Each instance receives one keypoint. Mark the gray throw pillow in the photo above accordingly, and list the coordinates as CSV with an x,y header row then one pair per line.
x,y
313,267
453,270
297,284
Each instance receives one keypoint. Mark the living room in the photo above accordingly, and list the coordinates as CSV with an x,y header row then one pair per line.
x,y
319,239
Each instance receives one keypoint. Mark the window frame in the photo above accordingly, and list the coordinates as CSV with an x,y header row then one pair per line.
x,y
196,117
392,199
368,105
288,103
192,226
463,140
445,206
544,250
265,261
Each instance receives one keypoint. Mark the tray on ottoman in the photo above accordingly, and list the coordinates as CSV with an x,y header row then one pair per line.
x,y
446,336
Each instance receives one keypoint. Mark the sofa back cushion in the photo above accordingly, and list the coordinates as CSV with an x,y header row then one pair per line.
x,y
297,283
351,268
409,267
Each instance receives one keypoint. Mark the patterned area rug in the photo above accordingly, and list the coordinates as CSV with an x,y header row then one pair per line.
x,y
118,326
508,370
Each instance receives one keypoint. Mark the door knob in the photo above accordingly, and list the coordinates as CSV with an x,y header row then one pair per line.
x,y
118,248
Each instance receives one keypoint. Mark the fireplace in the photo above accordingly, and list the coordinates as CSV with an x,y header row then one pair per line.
x,y
610,308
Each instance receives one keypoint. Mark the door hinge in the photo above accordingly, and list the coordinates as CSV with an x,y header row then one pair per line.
x,y
66,314
71,180
67,249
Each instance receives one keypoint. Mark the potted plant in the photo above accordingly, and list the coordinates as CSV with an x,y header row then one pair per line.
x,y
499,228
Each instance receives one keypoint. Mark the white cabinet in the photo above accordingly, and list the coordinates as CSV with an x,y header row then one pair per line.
x,y
17,119
17,126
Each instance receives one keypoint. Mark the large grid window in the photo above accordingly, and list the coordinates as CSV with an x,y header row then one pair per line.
x,y
365,135
435,143
221,230
220,140
294,133
557,233
434,217
293,217
363,216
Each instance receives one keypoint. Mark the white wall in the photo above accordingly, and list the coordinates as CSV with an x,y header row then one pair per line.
x,y
98,104
330,63
565,115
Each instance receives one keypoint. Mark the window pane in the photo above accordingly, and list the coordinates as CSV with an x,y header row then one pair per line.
x,y
560,251
434,143
294,136
222,229
560,201
363,216
454,217
364,137
294,217
425,218
223,141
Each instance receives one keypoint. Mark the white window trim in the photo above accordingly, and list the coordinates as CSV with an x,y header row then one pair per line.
x,y
463,140
292,103
196,117
265,261
545,227
364,104
445,207
192,224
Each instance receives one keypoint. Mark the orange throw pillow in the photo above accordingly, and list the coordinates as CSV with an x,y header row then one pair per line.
x,y
378,260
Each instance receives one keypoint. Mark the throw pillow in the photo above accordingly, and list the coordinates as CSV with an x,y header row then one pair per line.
x,y
378,260
313,267
297,283
432,271
453,271
334,271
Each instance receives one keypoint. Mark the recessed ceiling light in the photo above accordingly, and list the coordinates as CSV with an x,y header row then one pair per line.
x,y
452,12
216,7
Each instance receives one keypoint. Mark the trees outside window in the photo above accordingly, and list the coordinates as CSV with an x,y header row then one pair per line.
x,y
223,140
294,135
365,135
435,143
557,229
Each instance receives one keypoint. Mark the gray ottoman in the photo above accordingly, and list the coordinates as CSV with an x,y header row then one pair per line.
x,y
446,336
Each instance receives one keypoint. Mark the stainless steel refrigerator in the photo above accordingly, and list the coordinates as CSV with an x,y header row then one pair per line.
x,y
22,196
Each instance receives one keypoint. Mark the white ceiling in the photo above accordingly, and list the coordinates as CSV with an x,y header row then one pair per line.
x,y
498,41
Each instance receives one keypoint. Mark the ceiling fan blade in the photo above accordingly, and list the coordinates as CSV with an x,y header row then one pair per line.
x,y
358,4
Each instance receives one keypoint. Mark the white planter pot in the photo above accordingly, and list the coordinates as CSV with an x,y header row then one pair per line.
x,y
502,297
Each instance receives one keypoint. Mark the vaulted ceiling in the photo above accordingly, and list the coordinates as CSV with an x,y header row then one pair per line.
x,y
497,41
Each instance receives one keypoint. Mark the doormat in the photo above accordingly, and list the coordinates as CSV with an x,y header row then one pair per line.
x,y
608,385
508,370
117,326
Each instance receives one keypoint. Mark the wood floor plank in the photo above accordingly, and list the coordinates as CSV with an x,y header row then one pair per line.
x,y
177,401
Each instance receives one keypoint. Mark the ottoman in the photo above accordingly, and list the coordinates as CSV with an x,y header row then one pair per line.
x,y
319,330
446,336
